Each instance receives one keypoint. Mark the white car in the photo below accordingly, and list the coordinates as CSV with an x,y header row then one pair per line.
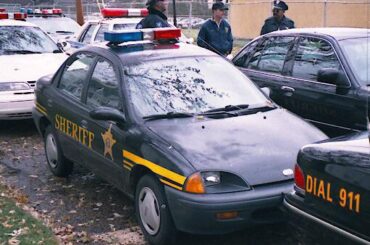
x,y
114,19
26,54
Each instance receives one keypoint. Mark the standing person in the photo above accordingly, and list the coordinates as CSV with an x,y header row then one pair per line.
x,y
156,17
278,21
215,34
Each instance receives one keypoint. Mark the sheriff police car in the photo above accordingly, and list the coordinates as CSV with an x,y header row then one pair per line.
x,y
114,19
332,187
26,54
197,145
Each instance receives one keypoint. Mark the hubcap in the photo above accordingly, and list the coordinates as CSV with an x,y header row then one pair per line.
x,y
149,210
51,151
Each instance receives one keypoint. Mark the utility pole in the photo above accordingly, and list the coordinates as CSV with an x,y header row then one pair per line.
x,y
174,12
79,12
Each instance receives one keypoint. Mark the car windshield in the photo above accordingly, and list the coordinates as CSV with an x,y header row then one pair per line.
x,y
189,85
53,25
357,52
25,40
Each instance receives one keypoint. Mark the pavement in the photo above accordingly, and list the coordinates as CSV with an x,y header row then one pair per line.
x,y
85,209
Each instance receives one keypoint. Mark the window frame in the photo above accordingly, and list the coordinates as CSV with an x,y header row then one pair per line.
x,y
73,58
94,25
88,83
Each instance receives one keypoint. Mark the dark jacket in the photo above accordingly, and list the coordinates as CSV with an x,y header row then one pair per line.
x,y
216,38
272,24
155,19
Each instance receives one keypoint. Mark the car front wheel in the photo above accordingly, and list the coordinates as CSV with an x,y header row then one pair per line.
x,y
153,213
58,164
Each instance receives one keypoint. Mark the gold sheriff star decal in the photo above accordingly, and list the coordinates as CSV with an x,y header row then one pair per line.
x,y
108,142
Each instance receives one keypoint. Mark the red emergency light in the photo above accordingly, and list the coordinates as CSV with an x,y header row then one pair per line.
x,y
20,16
120,12
4,16
2,10
57,11
161,34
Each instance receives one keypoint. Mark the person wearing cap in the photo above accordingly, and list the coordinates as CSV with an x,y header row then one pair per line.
x,y
215,34
156,17
278,21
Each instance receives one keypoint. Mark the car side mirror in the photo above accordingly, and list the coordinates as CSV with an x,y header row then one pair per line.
x,y
333,76
108,114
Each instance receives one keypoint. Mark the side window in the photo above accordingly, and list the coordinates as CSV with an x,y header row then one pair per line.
x,y
100,35
88,34
312,55
272,57
244,55
75,74
104,87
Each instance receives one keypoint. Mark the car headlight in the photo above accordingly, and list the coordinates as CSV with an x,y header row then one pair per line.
x,y
14,86
214,182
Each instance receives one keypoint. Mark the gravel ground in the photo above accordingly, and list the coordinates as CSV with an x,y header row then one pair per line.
x,y
85,209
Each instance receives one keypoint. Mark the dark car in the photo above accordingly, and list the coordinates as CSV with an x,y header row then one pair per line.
x,y
332,187
321,74
197,145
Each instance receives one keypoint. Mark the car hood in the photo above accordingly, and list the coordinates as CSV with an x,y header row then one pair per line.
x,y
256,147
29,67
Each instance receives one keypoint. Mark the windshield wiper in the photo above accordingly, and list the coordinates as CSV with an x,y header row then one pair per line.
x,y
228,108
169,115
57,51
21,51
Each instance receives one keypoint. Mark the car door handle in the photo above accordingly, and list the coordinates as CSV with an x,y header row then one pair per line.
x,y
287,89
84,124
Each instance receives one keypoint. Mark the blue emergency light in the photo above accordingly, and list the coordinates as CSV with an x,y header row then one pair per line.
x,y
29,11
156,34
121,37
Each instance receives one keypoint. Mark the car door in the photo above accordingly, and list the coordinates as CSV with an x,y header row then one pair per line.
x,y
105,157
67,106
266,64
320,102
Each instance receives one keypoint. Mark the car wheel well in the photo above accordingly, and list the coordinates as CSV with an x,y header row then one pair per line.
x,y
44,123
136,173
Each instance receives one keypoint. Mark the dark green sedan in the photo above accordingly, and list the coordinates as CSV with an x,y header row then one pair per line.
x,y
178,128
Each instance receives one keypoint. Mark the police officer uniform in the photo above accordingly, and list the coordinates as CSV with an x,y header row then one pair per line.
x,y
273,24
155,19
216,37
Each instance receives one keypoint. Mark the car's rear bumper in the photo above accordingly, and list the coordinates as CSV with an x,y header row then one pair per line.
x,y
16,110
196,213
321,223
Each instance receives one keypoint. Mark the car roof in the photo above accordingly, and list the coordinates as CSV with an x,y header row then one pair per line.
x,y
132,53
16,23
338,33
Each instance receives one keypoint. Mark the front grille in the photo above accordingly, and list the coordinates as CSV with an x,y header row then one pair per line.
x,y
19,115
32,84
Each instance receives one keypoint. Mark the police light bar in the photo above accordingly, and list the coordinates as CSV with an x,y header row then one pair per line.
x,y
158,34
15,16
120,12
43,12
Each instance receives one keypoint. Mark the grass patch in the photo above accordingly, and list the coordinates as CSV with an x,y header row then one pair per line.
x,y
18,227
238,43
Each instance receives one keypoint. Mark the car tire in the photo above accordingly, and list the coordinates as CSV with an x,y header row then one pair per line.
x,y
152,212
58,164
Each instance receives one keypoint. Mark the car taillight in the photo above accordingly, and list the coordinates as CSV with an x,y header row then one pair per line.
x,y
299,177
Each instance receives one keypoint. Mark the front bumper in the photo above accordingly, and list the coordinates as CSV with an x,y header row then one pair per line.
x,y
196,213
16,110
